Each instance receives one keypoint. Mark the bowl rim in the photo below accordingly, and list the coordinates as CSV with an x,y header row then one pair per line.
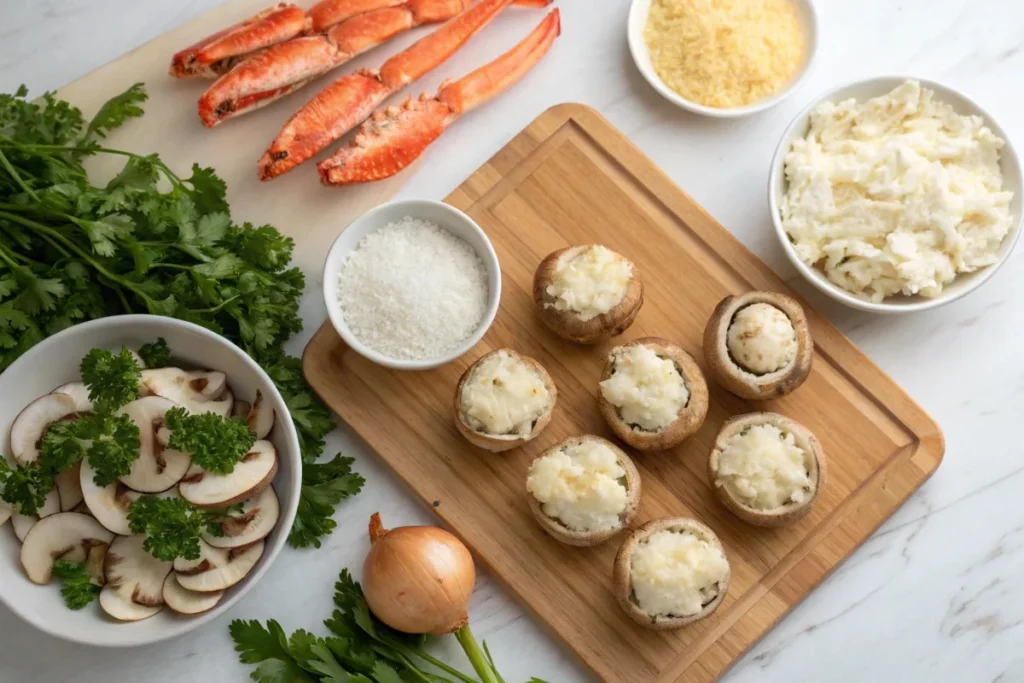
x,y
634,37
332,263
271,551
776,179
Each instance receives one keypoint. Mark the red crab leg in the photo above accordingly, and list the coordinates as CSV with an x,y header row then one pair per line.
x,y
341,106
284,68
327,13
395,137
216,54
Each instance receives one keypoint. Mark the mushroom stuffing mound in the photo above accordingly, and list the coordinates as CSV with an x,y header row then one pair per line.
x,y
767,469
144,488
584,490
758,345
503,400
670,573
587,294
653,394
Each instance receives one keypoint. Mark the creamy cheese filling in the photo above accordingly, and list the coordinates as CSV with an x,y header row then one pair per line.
x,y
582,486
676,573
765,467
504,395
761,339
589,281
647,390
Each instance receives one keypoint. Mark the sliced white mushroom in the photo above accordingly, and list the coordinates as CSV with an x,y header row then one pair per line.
x,y
251,475
79,393
68,487
261,417
134,579
210,383
241,409
184,601
157,468
23,523
255,522
186,389
32,422
217,569
95,563
67,534
110,504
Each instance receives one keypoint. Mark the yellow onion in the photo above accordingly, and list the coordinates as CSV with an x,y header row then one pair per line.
x,y
418,579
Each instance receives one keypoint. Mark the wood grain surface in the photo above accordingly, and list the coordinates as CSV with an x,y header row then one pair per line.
x,y
571,178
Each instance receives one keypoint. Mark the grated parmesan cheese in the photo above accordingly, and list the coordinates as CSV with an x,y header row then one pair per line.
x,y
725,53
412,290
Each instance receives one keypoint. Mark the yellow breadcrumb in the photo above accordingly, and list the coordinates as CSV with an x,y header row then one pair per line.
x,y
725,53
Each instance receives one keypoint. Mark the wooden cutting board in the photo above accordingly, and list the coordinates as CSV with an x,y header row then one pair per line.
x,y
571,178
296,204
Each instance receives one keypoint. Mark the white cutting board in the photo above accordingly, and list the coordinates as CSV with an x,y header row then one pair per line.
x,y
296,203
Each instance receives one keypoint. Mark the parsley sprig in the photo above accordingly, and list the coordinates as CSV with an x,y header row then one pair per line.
x,y
112,379
172,526
77,587
147,241
216,443
156,354
360,649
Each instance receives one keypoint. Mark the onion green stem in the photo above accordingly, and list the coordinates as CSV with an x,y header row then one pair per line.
x,y
476,656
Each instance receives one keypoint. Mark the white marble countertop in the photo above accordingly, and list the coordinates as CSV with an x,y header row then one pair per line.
x,y
936,595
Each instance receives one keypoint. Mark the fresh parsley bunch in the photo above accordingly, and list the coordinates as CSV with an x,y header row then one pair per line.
x,y
360,649
148,241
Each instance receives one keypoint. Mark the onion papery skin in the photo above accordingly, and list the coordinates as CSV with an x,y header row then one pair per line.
x,y
419,580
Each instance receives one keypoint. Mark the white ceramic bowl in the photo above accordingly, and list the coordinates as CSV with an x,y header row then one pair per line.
x,y
642,57
861,90
448,217
53,362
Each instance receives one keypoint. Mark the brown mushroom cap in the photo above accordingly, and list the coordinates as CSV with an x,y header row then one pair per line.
x,y
790,512
741,381
567,324
497,443
588,538
622,583
690,418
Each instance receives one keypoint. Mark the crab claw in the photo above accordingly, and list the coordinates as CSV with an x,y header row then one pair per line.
x,y
216,54
395,137
347,102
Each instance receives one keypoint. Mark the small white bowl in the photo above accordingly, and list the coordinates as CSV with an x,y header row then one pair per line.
x,y
449,218
55,361
642,57
866,89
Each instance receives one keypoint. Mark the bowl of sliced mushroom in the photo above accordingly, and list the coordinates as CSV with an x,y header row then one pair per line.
x,y
149,476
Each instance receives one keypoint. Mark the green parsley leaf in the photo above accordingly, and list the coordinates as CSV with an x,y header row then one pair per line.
x,y
77,588
24,487
113,380
156,354
117,110
324,486
110,442
172,526
216,443
268,647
